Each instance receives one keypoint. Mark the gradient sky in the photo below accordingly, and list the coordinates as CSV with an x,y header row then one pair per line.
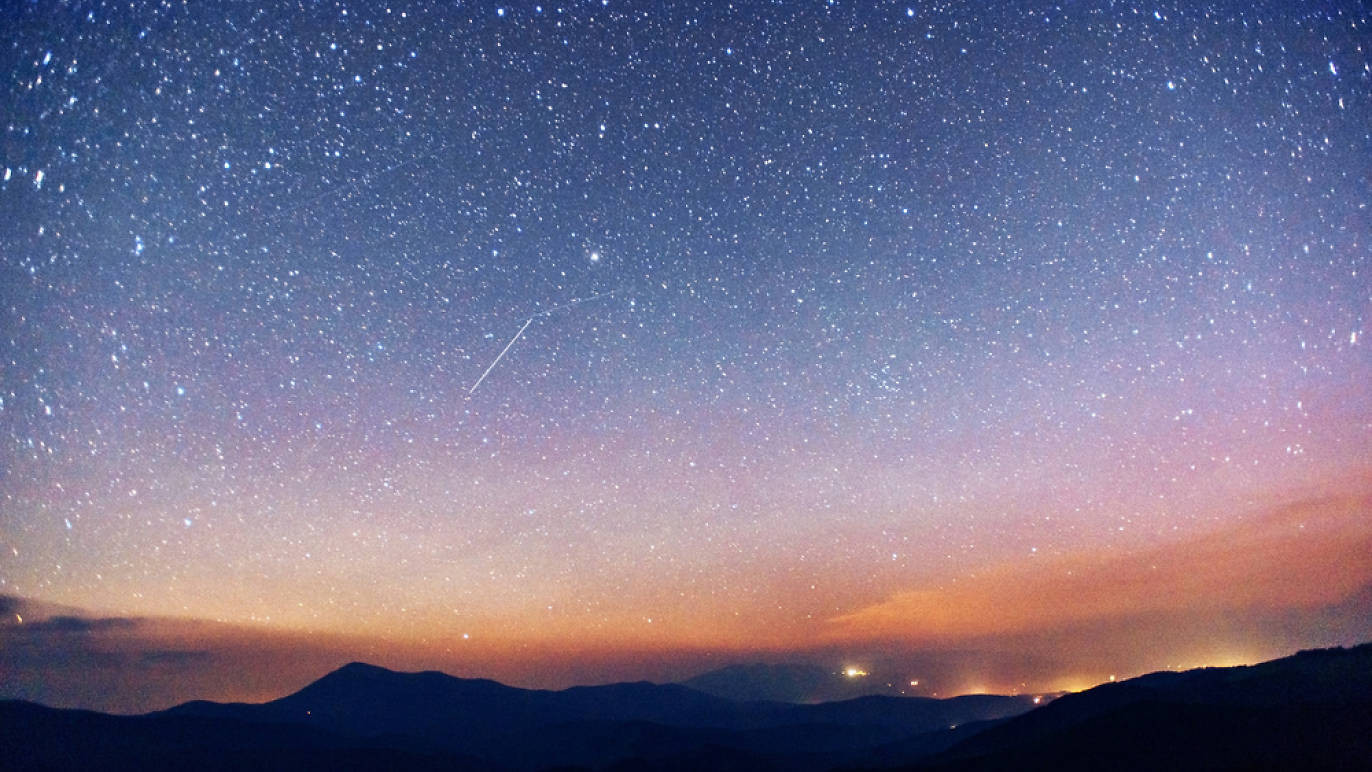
x,y
652,333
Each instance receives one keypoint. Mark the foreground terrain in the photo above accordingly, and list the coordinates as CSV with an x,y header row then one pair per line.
x,y
1311,710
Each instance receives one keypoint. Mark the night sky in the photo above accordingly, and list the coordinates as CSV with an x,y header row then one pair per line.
x,y
645,332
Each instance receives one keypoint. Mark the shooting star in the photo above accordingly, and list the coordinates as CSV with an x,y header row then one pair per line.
x,y
575,301
528,322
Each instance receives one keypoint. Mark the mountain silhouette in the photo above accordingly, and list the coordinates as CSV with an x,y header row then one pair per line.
x,y
592,725
34,737
364,712
1312,710
777,683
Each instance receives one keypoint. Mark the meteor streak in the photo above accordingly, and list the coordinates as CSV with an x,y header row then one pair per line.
x,y
501,355
530,321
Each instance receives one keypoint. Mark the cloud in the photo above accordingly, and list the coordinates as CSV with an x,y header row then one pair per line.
x,y
80,625
18,610
1307,555
135,664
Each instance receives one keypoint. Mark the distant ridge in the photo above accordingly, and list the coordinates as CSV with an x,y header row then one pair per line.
x,y
430,718
1311,710
789,682
480,716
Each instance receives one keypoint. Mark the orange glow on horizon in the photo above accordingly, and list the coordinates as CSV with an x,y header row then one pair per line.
x,y
1299,556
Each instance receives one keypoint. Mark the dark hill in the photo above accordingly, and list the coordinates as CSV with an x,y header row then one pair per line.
x,y
1313,710
595,725
1309,711
34,737
386,719
777,683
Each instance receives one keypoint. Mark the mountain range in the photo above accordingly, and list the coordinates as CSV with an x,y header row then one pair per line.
x,y
1312,708
786,682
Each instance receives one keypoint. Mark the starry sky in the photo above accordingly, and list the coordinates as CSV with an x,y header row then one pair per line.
x,y
640,331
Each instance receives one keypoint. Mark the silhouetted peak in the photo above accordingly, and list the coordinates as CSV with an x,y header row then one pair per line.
x,y
362,672
784,682
357,673
363,668
358,685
